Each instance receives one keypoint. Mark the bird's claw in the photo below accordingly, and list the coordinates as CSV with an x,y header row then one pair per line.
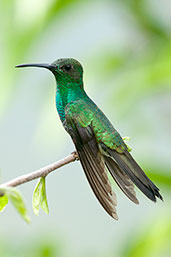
x,y
75,155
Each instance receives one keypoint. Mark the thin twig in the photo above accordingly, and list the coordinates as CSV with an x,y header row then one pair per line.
x,y
41,172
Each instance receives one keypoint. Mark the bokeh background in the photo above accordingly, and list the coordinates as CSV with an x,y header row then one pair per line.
x,y
125,48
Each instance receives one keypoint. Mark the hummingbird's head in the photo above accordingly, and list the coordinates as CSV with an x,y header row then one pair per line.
x,y
66,70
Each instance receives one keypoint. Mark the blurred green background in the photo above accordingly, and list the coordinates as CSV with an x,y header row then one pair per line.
x,y
125,48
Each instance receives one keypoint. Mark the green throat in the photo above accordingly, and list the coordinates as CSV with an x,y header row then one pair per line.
x,y
66,94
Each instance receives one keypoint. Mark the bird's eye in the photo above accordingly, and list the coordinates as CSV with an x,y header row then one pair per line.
x,y
67,67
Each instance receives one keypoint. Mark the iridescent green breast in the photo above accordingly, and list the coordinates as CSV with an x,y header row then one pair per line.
x,y
64,96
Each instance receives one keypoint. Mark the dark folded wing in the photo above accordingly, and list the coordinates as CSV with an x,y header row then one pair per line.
x,y
96,174
93,165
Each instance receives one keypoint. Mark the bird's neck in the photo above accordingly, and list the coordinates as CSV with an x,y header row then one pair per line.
x,y
65,95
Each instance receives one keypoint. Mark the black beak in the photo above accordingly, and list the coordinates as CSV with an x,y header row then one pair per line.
x,y
40,65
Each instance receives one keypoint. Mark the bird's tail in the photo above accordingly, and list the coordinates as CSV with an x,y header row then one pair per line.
x,y
122,180
123,163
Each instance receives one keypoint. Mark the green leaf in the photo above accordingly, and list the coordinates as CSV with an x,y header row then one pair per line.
x,y
39,197
3,202
16,199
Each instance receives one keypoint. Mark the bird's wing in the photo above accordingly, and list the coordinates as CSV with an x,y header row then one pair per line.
x,y
119,161
92,162
128,166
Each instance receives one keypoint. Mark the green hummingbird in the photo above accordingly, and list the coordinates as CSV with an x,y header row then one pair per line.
x,y
100,147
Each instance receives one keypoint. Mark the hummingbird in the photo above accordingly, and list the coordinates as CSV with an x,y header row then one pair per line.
x,y
100,148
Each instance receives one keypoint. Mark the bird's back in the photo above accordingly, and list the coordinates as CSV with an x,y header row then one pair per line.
x,y
86,112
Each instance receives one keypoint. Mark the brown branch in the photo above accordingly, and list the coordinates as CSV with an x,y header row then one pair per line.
x,y
41,172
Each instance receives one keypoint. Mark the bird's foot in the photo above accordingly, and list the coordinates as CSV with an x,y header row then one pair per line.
x,y
127,139
75,155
